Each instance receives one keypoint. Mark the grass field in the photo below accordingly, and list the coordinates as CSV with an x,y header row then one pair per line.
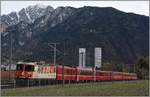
x,y
125,88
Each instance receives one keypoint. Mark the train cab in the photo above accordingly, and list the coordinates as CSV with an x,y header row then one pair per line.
x,y
25,70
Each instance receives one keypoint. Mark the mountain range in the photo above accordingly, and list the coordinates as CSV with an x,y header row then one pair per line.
x,y
122,36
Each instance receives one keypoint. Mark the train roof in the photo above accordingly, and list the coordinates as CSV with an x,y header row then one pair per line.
x,y
84,68
28,63
102,71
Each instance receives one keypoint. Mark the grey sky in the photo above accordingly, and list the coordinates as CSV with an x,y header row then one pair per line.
x,y
138,7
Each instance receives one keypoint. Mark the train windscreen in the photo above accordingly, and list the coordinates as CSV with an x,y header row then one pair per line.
x,y
20,67
29,68
23,67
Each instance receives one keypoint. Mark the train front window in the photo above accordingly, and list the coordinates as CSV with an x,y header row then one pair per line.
x,y
20,67
29,68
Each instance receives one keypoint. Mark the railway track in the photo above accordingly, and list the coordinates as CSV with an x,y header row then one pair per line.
x,y
7,86
13,85
10,85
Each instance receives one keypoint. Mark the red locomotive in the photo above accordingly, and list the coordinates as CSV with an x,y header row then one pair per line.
x,y
33,71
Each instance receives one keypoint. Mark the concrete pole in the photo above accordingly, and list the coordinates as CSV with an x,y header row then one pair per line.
x,y
63,81
54,54
10,63
112,73
54,47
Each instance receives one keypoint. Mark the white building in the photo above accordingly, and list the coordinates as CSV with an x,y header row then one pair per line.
x,y
98,57
82,57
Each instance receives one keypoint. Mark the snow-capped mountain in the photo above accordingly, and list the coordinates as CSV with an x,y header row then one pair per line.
x,y
28,15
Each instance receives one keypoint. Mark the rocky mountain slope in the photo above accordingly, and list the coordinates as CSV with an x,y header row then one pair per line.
x,y
122,36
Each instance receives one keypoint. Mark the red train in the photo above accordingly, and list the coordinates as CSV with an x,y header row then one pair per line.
x,y
33,71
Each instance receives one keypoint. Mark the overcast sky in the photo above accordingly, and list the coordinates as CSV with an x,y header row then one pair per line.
x,y
138,7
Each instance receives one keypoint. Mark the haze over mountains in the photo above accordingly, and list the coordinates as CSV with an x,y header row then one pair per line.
x,y
122,36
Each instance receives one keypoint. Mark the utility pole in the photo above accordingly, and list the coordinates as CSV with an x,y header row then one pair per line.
x,y
112,73
134,68
63,80
10,63
53,45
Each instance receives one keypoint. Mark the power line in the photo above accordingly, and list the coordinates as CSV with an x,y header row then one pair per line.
x,y
54,46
